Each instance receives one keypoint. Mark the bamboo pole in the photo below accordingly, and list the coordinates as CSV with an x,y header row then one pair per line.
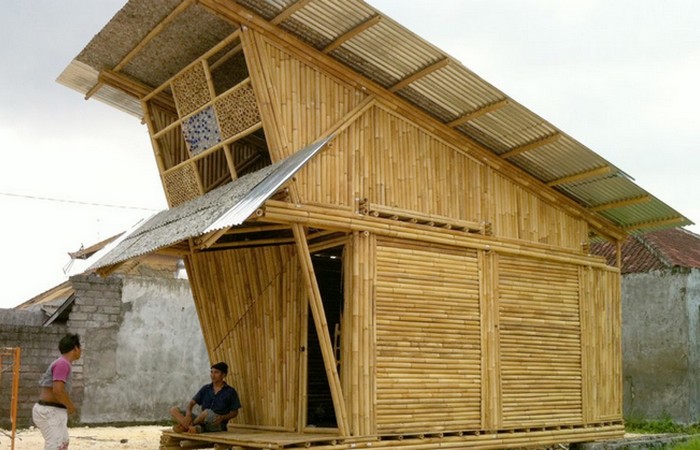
x,y
316,304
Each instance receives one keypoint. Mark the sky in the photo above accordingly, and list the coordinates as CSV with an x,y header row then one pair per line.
x,y
621,77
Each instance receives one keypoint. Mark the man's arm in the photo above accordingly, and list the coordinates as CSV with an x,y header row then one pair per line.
x,y
59,392
226,417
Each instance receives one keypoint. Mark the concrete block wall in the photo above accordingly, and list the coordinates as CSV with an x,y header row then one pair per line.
x,y
143,349
39,347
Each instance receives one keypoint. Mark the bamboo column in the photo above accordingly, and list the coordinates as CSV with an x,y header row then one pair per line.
x,y
319,316
490,346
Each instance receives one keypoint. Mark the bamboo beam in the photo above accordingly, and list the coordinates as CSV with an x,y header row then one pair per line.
x,y
153,33
351,33
478,113
420,74
337,219
319,316
289,11
147,39
530,146
654,223
581,176
134,88
621,203
241,15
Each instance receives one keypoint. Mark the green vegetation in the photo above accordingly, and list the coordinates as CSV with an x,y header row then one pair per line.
x,y
662,425
666,425
692,444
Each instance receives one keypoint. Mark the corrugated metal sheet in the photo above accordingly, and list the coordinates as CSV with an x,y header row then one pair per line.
x,y
387,53
226,206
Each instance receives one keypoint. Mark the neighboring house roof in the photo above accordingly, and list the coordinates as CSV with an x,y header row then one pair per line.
x,y
224,207
656,250
360,37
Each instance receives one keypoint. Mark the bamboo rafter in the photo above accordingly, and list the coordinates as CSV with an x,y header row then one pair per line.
x,y
478,113
289,11
444,62
531,146
621,203
340,40
581,176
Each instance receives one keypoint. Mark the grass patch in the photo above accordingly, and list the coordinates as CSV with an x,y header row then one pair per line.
x,y
660,426
692,444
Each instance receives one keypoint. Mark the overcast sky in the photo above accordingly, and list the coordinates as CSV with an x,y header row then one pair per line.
x,y
621,77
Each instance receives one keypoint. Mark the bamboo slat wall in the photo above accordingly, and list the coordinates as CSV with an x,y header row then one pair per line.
x,y
601,319
540,342
428,338
358,334
250,303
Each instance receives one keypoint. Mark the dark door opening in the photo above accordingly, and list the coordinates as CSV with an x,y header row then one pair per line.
x,y
328,266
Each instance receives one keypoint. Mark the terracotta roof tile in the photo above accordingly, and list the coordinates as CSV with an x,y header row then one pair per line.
x,y
655,250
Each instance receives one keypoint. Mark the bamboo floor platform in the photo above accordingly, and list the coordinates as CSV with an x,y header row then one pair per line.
x,y
250,438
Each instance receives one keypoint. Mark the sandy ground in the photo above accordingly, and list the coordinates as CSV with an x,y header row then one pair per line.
x,y
84,438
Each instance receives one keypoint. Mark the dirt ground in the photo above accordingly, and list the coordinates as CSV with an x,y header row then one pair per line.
x,y
84,438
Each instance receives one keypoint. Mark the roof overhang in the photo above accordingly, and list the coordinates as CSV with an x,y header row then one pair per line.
x,y
217,210
146,43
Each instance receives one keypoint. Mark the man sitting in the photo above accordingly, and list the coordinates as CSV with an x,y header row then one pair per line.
x,y
219,403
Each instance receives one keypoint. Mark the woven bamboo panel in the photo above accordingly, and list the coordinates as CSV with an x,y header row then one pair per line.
x,y
404,166
237,110
308,101
602,355
250,302
191,90
181,184
540,341
519,214
428,338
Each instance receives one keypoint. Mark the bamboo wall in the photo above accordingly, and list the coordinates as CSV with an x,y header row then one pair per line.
x,y
433,337
391,161
251,304
358,336
540,342
601,318
428,349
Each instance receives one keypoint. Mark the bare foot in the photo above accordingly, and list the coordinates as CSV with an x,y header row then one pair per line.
x,y
195,429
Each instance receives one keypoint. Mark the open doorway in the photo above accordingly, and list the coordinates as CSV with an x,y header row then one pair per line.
x,y
328,266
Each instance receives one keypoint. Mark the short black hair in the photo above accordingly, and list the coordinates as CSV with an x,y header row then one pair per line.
x,y
68,343
221,367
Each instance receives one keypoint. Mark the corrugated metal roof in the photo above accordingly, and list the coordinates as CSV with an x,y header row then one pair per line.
x,y
387,53
224,207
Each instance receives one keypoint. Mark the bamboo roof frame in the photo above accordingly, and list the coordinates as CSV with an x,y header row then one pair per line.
x,y
570,185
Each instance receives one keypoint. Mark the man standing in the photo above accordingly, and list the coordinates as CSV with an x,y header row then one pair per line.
x,y
50,413
219,403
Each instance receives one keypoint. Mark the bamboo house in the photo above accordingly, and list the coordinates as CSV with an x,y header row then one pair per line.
x,y
387,250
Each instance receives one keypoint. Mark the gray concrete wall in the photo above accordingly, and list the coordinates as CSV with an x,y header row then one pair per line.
x,y
143,349
692,295
152,357
659,330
